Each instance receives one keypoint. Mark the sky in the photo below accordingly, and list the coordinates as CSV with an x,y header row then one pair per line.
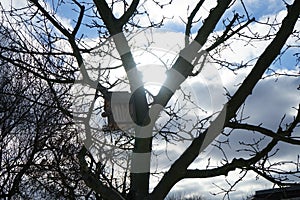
x,y
272,98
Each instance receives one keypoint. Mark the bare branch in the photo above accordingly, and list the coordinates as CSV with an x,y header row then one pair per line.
x,y
129,13
51,19
236,163
279,136
177,170
225,36
189,23
80,17
265,60
93,182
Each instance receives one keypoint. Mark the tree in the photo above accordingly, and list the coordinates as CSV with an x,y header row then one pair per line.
x,y
53,55
36,153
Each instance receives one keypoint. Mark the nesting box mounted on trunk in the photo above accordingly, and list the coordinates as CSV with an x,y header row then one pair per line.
x,y
119,109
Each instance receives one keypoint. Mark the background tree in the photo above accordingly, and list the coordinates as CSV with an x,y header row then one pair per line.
x,y
49,57
38,145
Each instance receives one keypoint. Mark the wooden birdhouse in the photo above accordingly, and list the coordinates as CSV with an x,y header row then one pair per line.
x,y
119,111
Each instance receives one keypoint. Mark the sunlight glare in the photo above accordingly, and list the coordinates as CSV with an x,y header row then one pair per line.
x,y
153,67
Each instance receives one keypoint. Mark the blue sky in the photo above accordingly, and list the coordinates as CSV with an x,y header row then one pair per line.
x,y
281,92
261,10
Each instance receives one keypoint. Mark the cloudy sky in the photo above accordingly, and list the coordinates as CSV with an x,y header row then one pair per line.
x,y
272,98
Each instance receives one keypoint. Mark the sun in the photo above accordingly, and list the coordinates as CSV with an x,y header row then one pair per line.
x,y
153,66
153,77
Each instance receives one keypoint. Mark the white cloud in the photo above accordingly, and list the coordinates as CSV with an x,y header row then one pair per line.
x,y
281,95
269,102
8,4
174,13
272,98
207,188
240,50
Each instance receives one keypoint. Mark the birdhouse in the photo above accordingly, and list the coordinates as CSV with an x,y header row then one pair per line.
x,y
119,111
